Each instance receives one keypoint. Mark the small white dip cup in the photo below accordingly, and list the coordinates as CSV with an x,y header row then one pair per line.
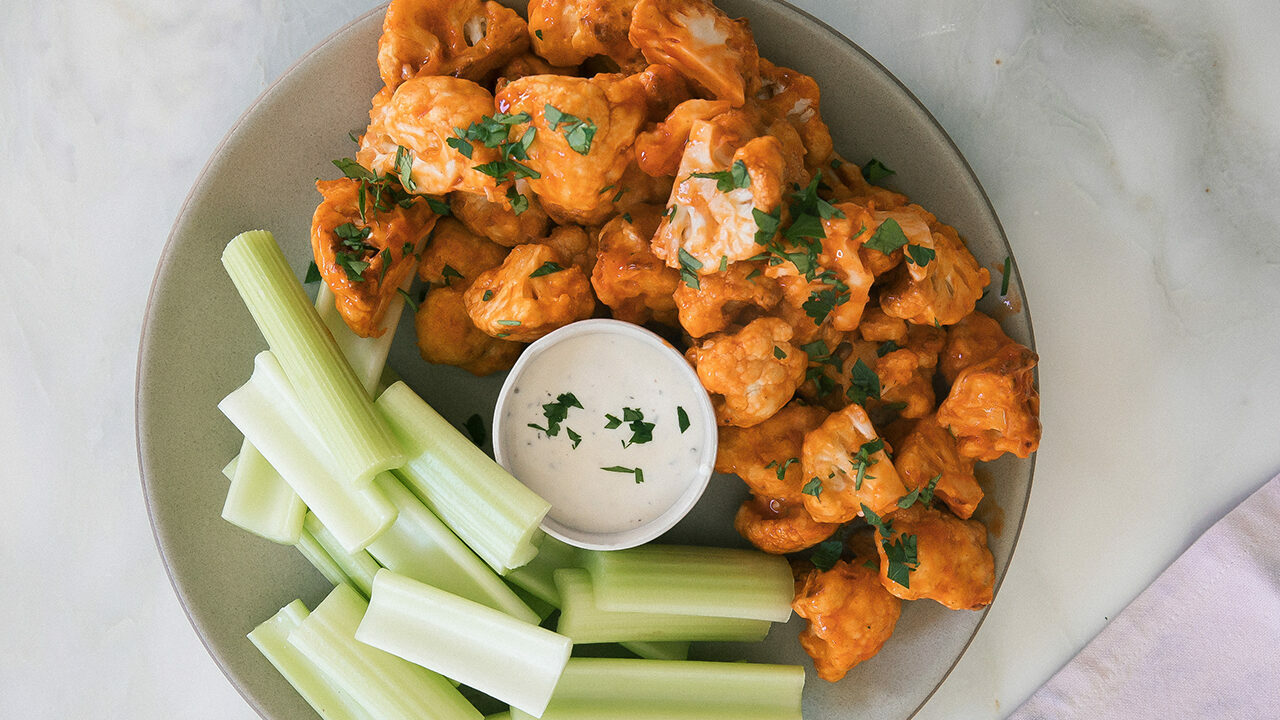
x,y
597,500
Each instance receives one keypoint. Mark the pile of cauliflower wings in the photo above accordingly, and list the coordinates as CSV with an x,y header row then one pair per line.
x,y
638,159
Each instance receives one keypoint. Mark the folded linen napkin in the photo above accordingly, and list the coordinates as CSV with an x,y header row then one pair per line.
x,y
1202,642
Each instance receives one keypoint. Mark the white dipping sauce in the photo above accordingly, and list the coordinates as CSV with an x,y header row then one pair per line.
x,y
607,368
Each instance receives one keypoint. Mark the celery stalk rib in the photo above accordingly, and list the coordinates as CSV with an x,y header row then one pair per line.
x,y
267,415
271,639
513,661
626,689
584,622
387,686
669,650
537,577
260,501
319,558
419,545
333,398
492,512
359,567
684,580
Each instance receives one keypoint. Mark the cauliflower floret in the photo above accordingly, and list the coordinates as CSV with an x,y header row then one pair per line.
x,y
567,32
582,150
848,185
446,335
796,308
365,260
527,64
950,563
420,117
779,526
658,151
767,456
994,407
844,238
848,467
905,383
975,338
914,222
714,52
880,328
575,246
628,277
923,450
712,217
723,297
750,374
792,96
506,302
455,256
941,292
850,615
464,38
497,220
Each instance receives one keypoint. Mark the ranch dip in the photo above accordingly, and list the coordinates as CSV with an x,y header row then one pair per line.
x,y
609,424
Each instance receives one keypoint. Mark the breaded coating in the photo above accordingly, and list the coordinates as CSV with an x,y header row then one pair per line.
x,y
974,339
924,450
941,292
792,96
716,53
575,246
844,484
767,456
723,298
456,256
994,407
446,335
750,374
628,277
778,526
497,220
365,260
953,565
844,237
659,150
850,615
506,302
463,38
566,32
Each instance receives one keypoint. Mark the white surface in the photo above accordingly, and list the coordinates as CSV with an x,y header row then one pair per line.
x,y
1209,621
1132,150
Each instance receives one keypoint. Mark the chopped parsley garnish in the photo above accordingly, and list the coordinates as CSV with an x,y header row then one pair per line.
x,y
385,256
689,267
805,226
781,468
884,526
903,558
626,216
491,131
635,471
813,487
406,249
887,347
1006,271
462,146
606,188
724,263
574,437
766,224
475,428
836,163
313,274
546,268
355,170
488,295
875,170
519,203
779,353
670,211
820,356
920,255
577,132
353,267
827,553
618,195
682,418
404,168
556,412
408,299
641,431
861,460
735,178
500,169
822,303
864,383
922,494
353,237
538,33
449,273
887,238
511,323
753,274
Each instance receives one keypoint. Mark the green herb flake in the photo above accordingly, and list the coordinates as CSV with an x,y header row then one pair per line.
x,y
313,274
682,418
887,238
875,170
1006,271
781,468
404,168
864,383
519,203
827,553
753,274
462,146
766,224
884,526
475,428
920,255
618,195
511,323
354,170
408,299
922,494
577,132
354,268
813,487
626,216
488,295
641,431
903,559
805,226
670,211
635,472
887,347
724,263
689,267
556,412
574,437
500,169
538,33
836,163
779,353
606,188
546,268
735,178
613,421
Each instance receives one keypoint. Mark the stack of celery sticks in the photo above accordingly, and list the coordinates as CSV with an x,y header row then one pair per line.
x,y
441,574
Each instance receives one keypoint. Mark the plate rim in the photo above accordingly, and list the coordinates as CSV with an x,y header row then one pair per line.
x,y
167,249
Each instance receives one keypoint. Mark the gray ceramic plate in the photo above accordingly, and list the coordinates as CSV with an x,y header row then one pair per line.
x,y
198,344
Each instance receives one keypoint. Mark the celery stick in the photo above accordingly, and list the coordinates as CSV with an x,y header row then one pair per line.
x,y
626,689
584,622
493,513
510,660
537,576
229,470
260,501
315,553
367,355
540,607
682,580
659,650
359,567
388,687
266,411
334,401
271,639
418,545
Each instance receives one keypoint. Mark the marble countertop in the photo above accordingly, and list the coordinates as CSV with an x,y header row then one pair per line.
x,y
1130,147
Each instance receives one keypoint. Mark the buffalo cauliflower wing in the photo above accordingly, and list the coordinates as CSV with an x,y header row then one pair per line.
x,y
510,302
447,336
750,374
850,615
925,453
994,407
767,456
975,338
720,299
778,526
946,559
497,220
940,292
567,32
464,38
847,467
628,277
456,256
714,52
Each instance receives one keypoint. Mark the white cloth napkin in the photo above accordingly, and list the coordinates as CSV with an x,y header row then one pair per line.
x,y
1202,642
